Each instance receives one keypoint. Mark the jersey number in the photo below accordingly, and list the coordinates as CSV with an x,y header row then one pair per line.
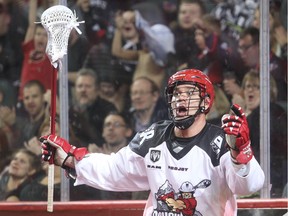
x,y
146,135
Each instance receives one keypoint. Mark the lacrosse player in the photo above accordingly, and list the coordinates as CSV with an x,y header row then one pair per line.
x,y
190,166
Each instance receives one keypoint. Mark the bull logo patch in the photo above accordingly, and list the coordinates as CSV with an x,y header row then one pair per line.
x,y
155,155
181,203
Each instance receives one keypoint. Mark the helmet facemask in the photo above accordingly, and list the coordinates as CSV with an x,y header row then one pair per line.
x,y
185,106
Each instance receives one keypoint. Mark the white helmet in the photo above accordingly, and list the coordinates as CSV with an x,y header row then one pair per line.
x,y
187,187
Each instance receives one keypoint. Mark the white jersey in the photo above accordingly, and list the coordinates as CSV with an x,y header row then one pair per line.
x,y
199,180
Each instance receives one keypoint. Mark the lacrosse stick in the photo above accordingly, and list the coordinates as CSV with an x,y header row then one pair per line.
x,y
58,21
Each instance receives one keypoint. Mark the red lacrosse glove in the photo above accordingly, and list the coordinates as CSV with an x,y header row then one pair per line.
x,y
56,150
237,134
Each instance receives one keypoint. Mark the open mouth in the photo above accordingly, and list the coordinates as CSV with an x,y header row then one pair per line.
x,y
250,97
181,111
127,28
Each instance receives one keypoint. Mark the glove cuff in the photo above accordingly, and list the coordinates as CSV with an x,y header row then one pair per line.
x,y
244,156
78,154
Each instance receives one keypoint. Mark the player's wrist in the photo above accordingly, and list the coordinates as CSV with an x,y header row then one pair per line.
x,y
69,166
242,156
68,162
234,153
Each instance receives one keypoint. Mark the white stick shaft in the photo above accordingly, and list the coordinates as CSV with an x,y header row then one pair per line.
x,y
50,188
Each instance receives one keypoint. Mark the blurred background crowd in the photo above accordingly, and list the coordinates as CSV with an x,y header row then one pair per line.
x,y
117,72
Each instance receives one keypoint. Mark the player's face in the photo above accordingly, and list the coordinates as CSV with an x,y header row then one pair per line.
x,y
188,14
185,101
252,94
114,130
20,165
142,97
33,100
186,195
85,90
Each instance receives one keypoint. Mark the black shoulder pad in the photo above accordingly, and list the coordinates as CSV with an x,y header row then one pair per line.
x,y
155,135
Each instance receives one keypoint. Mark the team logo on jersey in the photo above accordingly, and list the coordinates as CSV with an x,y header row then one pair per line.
x,y
155,155
216,145
182,203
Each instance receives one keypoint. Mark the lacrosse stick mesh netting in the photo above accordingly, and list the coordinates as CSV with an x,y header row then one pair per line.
x,y
58,21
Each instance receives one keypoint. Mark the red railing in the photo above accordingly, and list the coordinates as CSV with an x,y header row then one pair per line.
x,y
112,208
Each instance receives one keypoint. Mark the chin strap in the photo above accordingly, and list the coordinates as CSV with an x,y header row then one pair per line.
x,y
183,124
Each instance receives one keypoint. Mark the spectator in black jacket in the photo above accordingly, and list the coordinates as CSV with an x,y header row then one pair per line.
x,y
278,130
89,109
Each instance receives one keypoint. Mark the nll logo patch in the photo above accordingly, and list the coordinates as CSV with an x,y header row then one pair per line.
x,y
155,155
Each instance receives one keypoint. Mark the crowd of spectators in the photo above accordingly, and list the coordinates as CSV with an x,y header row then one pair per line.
x,y
117,70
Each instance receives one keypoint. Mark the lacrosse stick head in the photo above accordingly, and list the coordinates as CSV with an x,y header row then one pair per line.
x,y
58,21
